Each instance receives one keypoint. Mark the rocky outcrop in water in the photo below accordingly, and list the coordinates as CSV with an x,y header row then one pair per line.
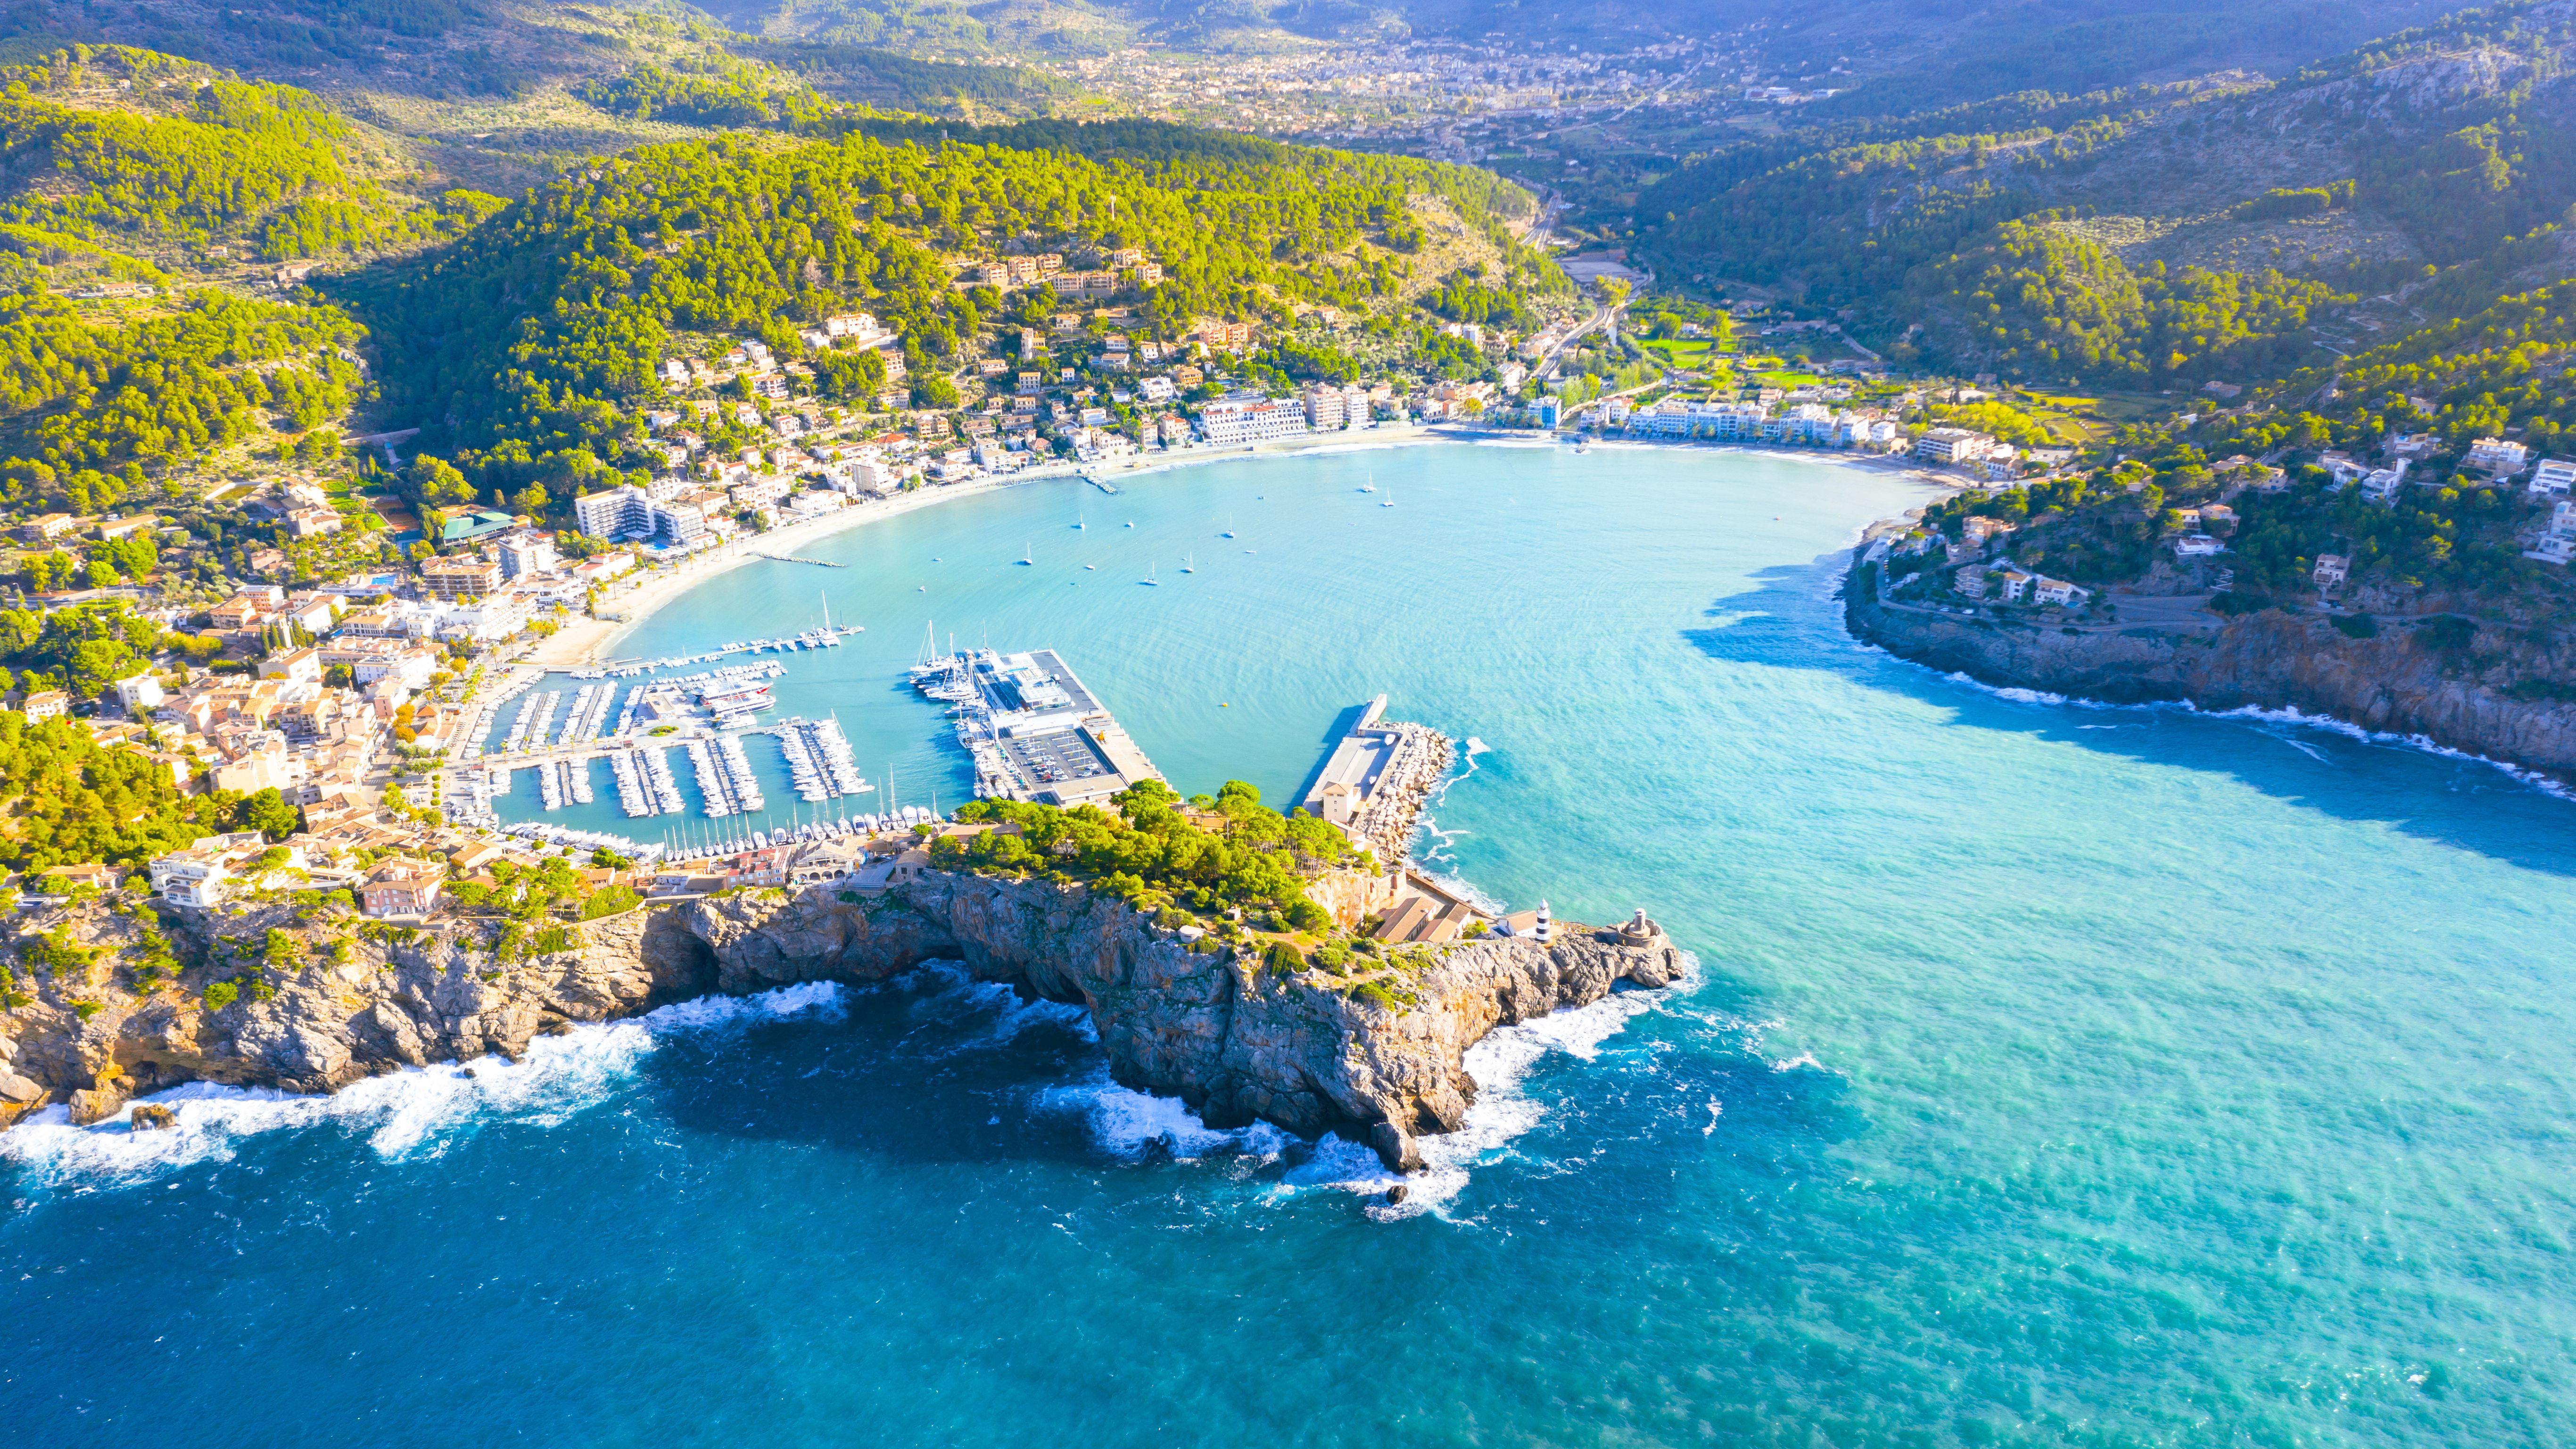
x,y
2463,693
1238,1039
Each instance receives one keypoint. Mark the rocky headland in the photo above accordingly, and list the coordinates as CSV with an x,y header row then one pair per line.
x,y
2478,689
330,1000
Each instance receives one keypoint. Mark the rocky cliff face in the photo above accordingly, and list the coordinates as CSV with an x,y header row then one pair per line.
x,y
1238,1040
2397,682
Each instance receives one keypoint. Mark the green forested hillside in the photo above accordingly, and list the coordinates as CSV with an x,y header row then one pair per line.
x,y
541,330
2038,299
146,342
136,169
191,157
2161,232
2508,369
90,411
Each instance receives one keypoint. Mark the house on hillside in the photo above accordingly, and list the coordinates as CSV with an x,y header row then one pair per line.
x,y
2496,457
402,888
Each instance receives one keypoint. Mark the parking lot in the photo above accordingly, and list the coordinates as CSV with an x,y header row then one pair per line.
x,y
1054,758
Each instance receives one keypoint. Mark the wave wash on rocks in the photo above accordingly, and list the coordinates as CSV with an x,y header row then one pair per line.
x,y
1236,1039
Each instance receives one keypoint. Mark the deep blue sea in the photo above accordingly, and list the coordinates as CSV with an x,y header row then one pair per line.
x,y
2051,1074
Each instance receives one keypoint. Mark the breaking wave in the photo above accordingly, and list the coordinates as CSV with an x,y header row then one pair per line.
x,y
1503,1111
2290,715
411,1114
418,1114
1136,1126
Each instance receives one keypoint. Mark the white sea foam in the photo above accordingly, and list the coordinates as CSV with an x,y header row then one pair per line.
x,y
2288,715
1133,1125
1501,1113
1128,1123
953,998
409,1114
1435,843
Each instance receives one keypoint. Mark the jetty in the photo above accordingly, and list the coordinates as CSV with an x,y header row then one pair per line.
x,y
791,558
1375,781
1035,731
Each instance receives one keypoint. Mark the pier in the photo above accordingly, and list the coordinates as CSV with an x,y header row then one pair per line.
x,y
791,558
1036,732
1376,779
1373,784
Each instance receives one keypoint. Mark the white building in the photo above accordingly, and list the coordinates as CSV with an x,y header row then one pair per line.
x,y
143,691
526,555
1953,445
2553,476
1251,420
2496,456
621,512
200,875
1721,422
2558,545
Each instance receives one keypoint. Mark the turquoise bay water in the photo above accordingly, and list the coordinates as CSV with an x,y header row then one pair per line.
x,y
2052,1075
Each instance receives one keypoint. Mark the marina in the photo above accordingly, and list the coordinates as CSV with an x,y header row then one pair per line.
x,y
819,761
855,827
1033,729
827,636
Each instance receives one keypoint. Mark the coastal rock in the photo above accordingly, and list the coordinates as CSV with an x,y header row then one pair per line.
x,y
2397,681
19,1096
149,1117
1236,1040
94,1105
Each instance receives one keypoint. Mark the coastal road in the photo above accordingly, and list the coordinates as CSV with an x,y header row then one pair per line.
x,y
1602,314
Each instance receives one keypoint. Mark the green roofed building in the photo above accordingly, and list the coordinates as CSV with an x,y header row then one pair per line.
x,y
467,527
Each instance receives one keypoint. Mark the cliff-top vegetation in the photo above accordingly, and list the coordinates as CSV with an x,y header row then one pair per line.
x,y
1149,853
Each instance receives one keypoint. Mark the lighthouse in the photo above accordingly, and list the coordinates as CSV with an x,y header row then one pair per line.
x,y
1544,930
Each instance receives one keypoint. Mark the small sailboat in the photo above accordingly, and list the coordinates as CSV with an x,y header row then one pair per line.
x,y
1080,523
1189,563
1387,502
1229,527
1371,485
1150,581
1028,556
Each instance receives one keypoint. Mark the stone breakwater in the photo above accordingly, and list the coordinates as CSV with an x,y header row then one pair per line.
x,y
2462,697
1385,824
1236,1039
